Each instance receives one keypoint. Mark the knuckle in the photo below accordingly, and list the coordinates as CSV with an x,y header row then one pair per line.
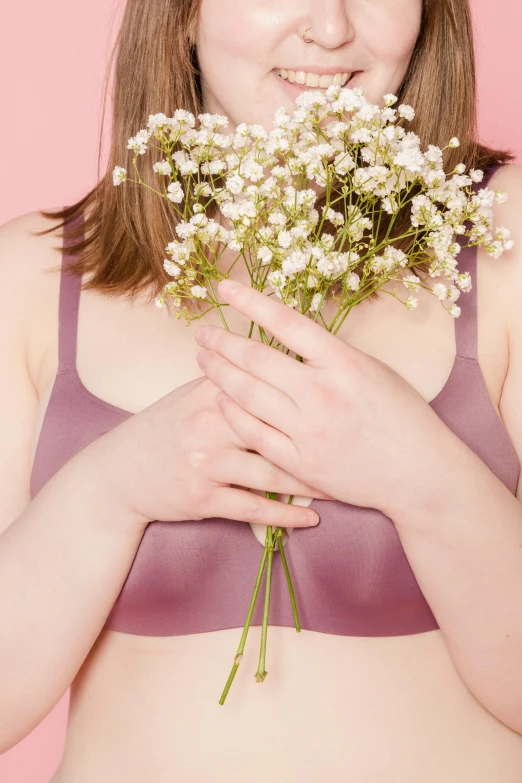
x,y
196,496
285,319
252,512
198,459
326,393
246,394
215,339
253,509
272,476
201,421
257,440
251,354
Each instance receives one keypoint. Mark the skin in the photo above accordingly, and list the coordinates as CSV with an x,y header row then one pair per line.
x,y
333,707
241,42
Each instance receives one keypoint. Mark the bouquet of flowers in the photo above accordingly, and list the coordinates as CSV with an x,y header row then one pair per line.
x,y
332,203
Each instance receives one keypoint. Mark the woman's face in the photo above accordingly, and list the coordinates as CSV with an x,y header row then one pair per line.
x,y
243,45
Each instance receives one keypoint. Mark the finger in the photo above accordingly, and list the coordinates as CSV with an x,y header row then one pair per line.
x,y
260,360
265,440
256,472
257,397
244,506
295,330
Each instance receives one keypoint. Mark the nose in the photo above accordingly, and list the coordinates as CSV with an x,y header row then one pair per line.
x,y
331,24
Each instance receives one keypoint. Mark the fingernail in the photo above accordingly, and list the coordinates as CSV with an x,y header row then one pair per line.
x,y
310,517
228,287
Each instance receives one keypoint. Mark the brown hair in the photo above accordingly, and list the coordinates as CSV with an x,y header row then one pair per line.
x,y
156,70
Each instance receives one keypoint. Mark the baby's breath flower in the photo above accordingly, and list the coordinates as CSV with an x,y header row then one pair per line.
x,y
175,192
119,175
213,121
454,311
202,190
411,282
433,155
464,281
199,291
353,281
495,249
162,167
277,218
185,163
171,268
284,239
440,291
234,242
264,184
294,263
316,299
235,184
334,217
411,302
276,279
390,99
265,255
476,175
139,142
157,122
406,111
183,117
185,230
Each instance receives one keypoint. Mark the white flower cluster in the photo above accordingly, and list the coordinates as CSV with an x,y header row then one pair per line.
x,y
265,187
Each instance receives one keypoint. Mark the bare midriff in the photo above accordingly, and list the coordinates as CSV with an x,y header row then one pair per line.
x,y
371,710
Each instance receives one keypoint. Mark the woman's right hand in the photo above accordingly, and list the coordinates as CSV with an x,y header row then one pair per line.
x,y
178,459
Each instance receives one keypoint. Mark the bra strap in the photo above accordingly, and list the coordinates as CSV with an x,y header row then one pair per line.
x,y
466,325
70,287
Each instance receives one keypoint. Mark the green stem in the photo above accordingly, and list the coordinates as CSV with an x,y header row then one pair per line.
x,y
278,536
269,547
239,654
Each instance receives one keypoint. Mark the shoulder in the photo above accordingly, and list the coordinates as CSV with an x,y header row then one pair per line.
x,y
508,268
508,175
506,288
509,179
28,290
25,252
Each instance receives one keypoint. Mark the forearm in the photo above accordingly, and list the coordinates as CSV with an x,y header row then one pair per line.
x,y
62,564
465,549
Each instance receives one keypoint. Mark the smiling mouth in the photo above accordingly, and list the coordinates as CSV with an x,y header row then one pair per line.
x,y
315,80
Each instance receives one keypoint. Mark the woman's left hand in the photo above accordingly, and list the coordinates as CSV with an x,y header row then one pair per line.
x,y
341,421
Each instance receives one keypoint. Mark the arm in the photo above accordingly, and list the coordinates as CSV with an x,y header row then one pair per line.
x,y
63,562
465,546
63,556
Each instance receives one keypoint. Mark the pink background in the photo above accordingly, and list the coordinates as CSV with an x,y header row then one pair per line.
x,y
52,60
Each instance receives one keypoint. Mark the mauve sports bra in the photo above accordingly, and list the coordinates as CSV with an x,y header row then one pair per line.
x,y
350,572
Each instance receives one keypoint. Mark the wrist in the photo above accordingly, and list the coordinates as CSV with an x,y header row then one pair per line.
x,y
444,468
89,485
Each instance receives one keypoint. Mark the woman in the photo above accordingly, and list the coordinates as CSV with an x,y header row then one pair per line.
x,y
407,667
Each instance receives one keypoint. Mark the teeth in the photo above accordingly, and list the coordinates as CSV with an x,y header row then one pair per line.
x,y
311,79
